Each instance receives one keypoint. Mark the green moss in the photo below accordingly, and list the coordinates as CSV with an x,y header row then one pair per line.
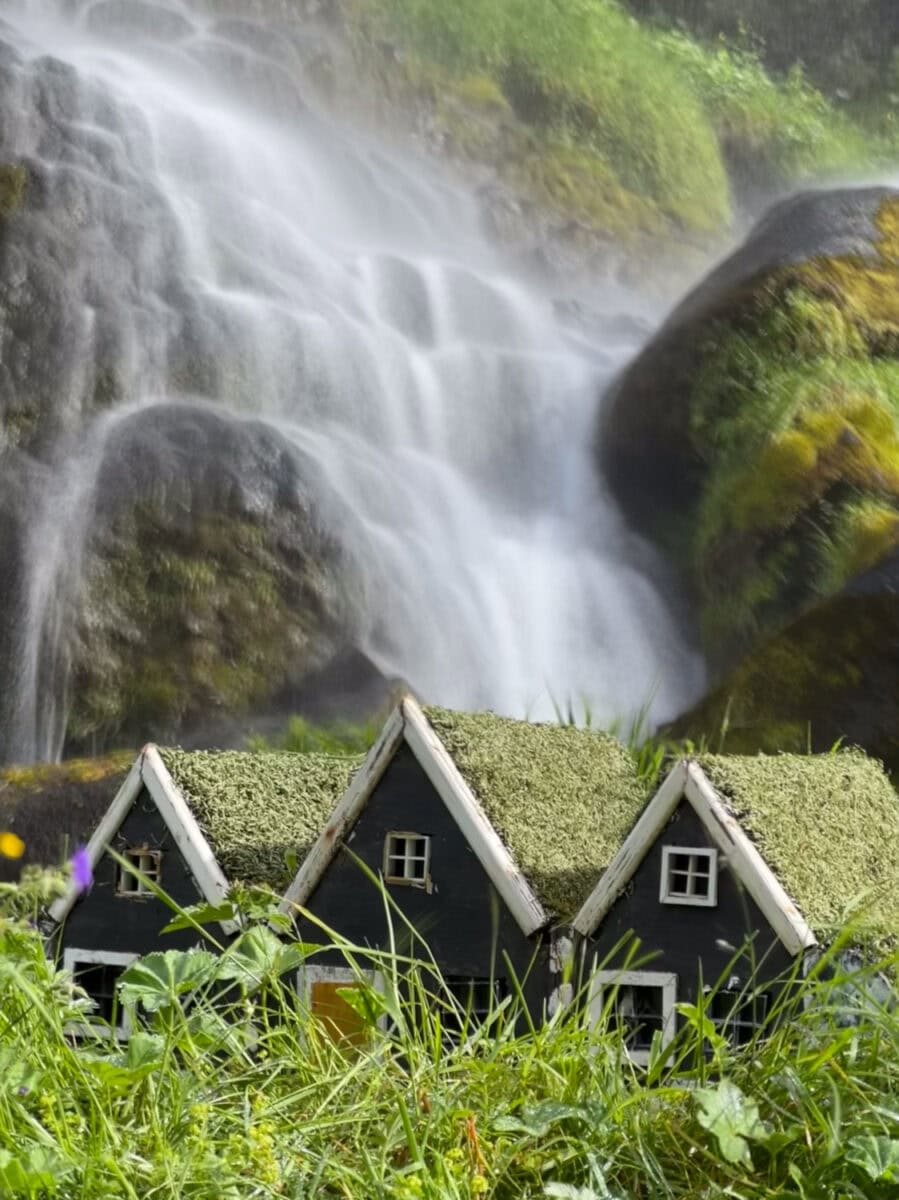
x,y
793,430
828,825
13,189
261,813
186,619
827,676
571,180
481,92
563,799
74,770
585,74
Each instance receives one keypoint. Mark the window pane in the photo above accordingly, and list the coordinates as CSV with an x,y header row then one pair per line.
x,y
639,1013
98,980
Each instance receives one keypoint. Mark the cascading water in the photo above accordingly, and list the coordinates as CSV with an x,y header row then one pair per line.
x,y
220,239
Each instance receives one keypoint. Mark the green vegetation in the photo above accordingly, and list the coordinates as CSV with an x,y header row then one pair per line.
x,y
190,617
847,46
260,812
772,133
795,417
300,736
228,1091
828,825
518,771
627,127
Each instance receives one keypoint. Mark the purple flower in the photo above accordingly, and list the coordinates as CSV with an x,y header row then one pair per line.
x,y
82,874
22,1091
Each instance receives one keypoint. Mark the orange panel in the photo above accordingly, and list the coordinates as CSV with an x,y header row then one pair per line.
x,y
342,1022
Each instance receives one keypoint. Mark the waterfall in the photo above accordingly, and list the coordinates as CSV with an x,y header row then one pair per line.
x,y
215,236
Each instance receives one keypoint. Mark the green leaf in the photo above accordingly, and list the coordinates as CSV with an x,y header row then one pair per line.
x,y
732,1118
158,980
202,914
539,1118
365,1002
120,1072
39,1170
17,1078
877,1156
258,955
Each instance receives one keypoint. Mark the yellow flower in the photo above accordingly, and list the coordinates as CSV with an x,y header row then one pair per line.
x,y
11,846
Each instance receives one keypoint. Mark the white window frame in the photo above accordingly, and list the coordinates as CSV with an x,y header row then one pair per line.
x,y
602,981
405,880
707,852
308,974
139,890
91,1026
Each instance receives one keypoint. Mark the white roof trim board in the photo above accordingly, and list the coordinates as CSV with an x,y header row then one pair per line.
x,y
688,780
150,772
410,725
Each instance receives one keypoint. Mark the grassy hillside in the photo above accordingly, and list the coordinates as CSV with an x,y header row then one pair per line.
x,y
626,126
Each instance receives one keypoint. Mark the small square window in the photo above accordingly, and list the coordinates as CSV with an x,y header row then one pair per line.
x,y
689,876
407,858
738,1016
145,860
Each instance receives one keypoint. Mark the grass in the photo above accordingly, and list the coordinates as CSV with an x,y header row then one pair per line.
x,y
229,1090
629,121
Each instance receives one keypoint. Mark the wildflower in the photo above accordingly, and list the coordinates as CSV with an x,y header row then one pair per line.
x,y
11,846
82,873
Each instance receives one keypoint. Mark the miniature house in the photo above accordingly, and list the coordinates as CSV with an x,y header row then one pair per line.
x,y
487,834
193,824
738,869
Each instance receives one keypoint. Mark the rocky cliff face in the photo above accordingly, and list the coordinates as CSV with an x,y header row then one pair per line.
x,y
757,439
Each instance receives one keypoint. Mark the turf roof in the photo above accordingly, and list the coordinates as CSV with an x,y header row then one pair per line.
x,y
256,810
828,826
562,799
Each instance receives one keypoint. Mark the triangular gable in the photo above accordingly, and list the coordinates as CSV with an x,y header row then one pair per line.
x,y
408,724
150,772
688,781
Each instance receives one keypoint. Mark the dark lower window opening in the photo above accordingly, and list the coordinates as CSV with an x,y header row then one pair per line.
x,y
739,1016
99,980
638,1011
472,1000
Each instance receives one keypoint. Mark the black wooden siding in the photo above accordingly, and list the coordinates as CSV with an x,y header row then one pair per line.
x,y
690,941
464,922
103,920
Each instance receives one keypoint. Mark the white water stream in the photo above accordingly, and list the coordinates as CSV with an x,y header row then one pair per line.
x,y
350,298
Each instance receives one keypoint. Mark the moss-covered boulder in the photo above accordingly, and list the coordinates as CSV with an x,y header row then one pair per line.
x,y
830,675
757,437
209,585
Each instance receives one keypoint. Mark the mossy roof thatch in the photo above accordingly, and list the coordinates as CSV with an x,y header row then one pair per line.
x,y
259,810
561,798
828,826
54,807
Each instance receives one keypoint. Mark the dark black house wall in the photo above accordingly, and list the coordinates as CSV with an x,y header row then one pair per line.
x,y
683,938
103,920
464,922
